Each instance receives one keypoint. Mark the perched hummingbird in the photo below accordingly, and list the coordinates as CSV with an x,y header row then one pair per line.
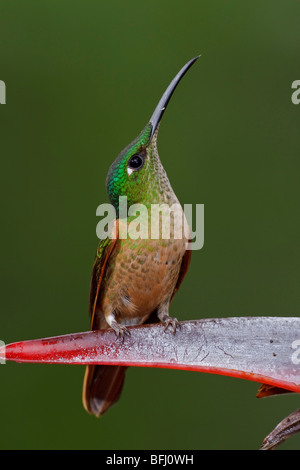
x,y
134,280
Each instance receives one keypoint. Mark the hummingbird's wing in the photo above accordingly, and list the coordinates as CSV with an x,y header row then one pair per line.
x,y
102,385
185,263
104,250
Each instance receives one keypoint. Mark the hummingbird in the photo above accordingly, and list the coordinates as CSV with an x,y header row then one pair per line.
x,y
134,280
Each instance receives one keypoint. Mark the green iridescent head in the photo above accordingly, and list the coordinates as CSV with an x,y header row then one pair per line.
x,y
137,171
128,174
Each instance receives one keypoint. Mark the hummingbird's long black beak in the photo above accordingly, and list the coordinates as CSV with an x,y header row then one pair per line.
x,y
163,102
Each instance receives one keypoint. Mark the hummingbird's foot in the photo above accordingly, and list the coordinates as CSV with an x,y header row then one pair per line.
x,y
169,321
120,330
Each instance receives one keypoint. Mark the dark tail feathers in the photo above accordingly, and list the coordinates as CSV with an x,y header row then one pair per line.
x,y
102,387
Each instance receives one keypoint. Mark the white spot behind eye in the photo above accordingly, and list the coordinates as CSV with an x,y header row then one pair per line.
x,y
129,171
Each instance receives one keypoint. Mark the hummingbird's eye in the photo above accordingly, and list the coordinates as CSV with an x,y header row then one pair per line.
x,y
135,163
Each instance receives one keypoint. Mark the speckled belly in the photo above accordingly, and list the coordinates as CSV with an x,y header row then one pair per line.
x,y
141,275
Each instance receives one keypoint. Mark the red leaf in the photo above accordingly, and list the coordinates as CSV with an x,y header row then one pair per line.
x,y
253,348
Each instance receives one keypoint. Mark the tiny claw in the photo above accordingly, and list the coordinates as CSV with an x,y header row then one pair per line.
x,y
120,330
173,322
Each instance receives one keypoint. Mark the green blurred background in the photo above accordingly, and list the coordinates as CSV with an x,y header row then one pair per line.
x,y
83,78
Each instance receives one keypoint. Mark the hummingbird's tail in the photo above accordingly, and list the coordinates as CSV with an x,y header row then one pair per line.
x,y
102,387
